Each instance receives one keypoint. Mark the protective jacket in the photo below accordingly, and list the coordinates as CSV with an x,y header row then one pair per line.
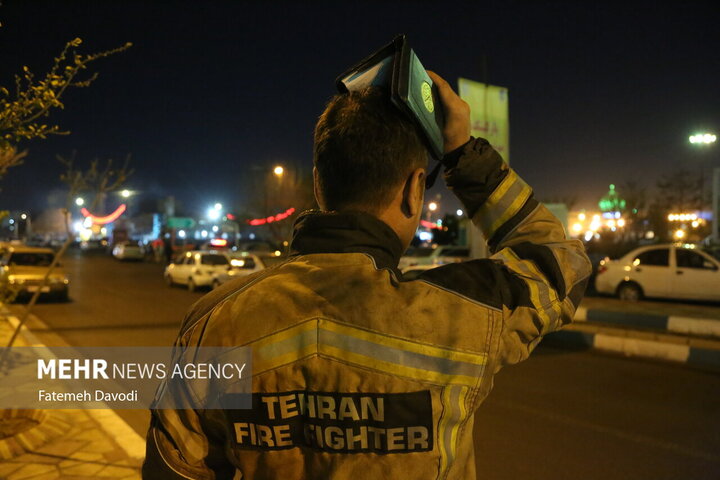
x,y
359,373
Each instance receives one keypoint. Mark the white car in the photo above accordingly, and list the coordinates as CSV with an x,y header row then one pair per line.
x,y
413,272
242,265
198,268
434,256
681,271
128,250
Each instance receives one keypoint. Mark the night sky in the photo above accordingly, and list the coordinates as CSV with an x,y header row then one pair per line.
x,y
598,94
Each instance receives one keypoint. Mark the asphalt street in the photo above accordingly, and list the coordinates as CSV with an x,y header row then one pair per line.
x,y
559,415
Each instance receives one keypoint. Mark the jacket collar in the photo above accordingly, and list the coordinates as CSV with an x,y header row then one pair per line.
x,y
346,232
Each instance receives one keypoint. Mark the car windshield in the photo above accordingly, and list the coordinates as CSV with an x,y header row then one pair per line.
x,y
28,259
214,260
715,253
420,252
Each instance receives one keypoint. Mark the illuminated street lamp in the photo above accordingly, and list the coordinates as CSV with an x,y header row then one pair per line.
x,y
125,193
214,212
459,212
432,206
79,201
278,170
703,138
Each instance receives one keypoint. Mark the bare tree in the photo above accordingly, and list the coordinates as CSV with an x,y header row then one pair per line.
x,y
635,196
680,191
272,194
24,113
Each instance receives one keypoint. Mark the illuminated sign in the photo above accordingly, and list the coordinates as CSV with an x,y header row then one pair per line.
x,y
427,224
107,218
271,219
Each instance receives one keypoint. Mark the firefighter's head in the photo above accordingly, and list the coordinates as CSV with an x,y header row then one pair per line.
x,y
369,157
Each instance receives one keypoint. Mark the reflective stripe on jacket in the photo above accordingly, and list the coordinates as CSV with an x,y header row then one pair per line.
x,y
358,373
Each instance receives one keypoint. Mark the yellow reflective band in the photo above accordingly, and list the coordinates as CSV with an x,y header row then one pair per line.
x,y
396,369
402,344
442,427
454,414
513,262
393,355
510,212
285,334
502,189
286,346
552,296
504,203
462,410
264,364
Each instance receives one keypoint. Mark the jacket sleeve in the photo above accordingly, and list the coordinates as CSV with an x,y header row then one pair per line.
x,y
182,442
535,275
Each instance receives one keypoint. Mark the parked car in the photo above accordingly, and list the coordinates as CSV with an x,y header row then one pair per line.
x,y
680,271
129,250
198,268
434,256
24,268
94,245
413,272
242,264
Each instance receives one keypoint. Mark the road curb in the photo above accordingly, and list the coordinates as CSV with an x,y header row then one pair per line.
x,y
635,347
707,327
109,421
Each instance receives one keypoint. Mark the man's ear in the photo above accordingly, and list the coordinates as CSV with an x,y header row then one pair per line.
x,y
414,193
316,189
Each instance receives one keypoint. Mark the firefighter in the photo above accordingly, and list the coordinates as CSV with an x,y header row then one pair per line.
x,y
356,371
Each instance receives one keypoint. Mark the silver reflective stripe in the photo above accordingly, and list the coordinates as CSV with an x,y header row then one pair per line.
x,y
381,352
543,298
505,201
400,356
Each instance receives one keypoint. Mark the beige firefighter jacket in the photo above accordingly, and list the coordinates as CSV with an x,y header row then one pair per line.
x,y
359,373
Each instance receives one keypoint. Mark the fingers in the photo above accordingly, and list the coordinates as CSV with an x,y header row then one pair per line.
x,y
448,96
444,89
456,131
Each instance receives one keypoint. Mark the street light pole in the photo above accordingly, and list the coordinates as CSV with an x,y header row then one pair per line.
x,y
704,140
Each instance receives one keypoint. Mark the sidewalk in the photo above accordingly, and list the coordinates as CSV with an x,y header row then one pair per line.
x,y
65,444
662,330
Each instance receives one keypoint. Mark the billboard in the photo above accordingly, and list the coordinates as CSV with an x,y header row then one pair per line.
x,y
489,117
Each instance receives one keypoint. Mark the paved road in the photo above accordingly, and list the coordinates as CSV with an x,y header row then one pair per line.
x,y
560,415
115,304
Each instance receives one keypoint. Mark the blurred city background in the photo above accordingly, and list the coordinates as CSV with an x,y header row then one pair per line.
x,y
184,163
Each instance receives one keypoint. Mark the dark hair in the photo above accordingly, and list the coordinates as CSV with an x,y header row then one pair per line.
x,y
364,148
